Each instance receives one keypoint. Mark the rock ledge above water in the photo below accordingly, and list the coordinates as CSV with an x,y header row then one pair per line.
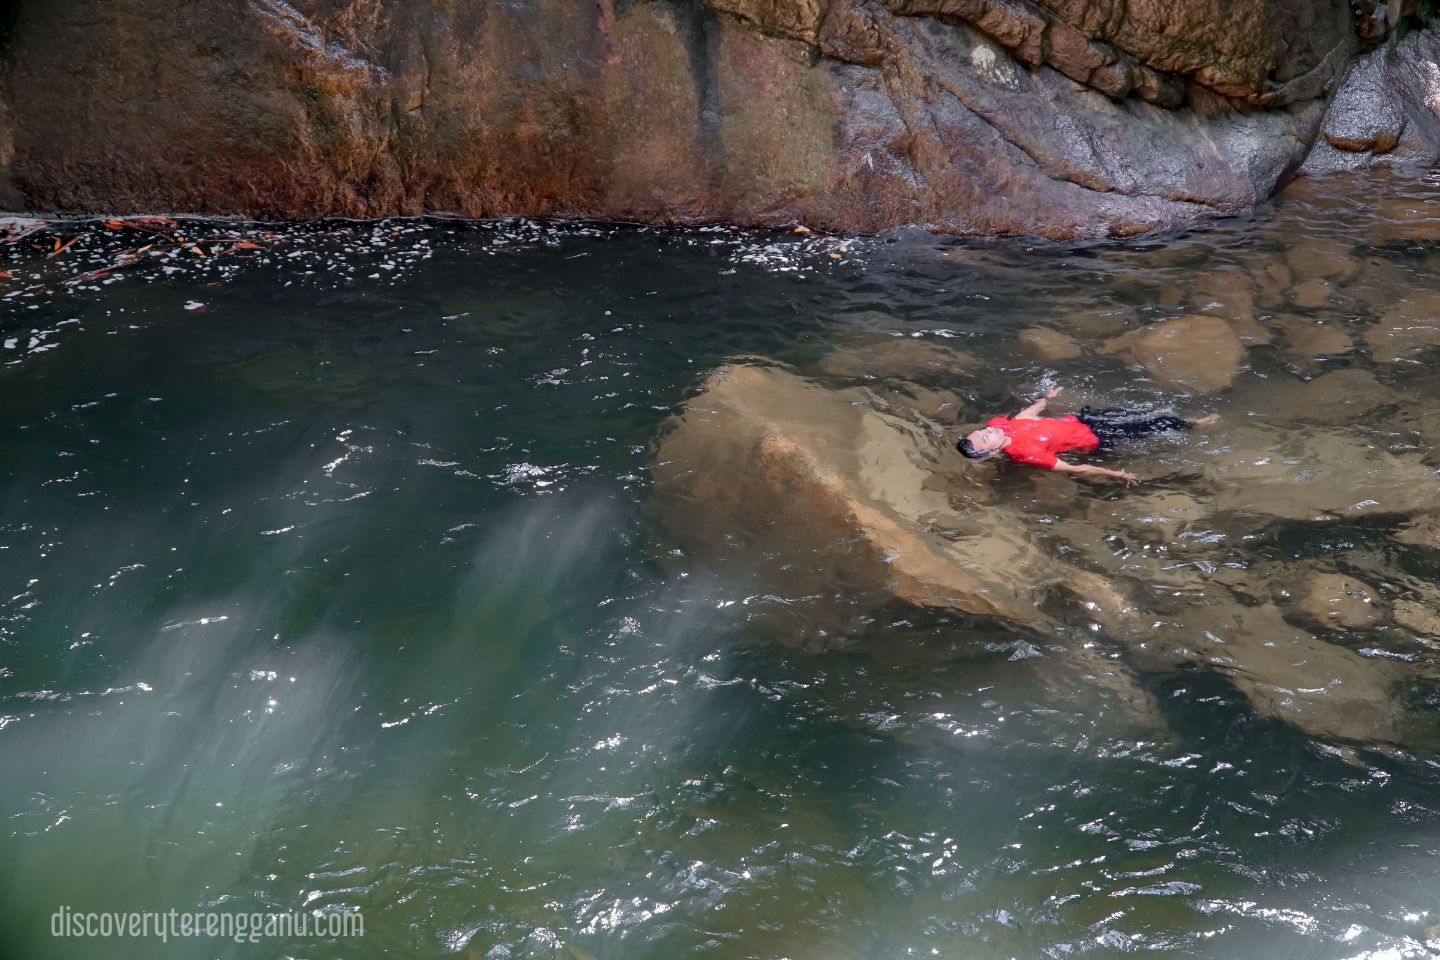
x,y
1040,117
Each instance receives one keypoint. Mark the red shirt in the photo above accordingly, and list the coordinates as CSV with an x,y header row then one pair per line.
x,y
1035,442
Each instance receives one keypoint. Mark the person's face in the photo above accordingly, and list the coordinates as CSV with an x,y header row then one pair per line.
x,y
988,440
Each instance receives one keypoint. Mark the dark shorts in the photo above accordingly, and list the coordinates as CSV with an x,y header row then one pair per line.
x,y
1112,426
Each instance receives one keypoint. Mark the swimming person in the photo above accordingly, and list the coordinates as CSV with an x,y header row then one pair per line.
x,y
1034,440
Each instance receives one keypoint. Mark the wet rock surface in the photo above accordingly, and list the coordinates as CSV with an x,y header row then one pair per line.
x,y
975,117
1384,111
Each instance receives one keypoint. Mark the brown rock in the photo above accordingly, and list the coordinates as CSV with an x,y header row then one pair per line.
x,y
1338,397
1048,344
1170,295
1320,688
1307,339
1417,617
1314,474
905,358
1272,280
1224,293
1406,329
1407,219
1374,289
1196,353
1310,294
1251,332
1097,324
1323,258
1336,600
1230,293
1421,532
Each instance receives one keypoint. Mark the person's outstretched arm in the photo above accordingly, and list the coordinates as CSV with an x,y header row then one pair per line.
x,y
1085,469
1033,411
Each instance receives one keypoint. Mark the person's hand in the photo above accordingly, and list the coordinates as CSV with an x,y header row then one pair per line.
x,y
1129,478
1052,391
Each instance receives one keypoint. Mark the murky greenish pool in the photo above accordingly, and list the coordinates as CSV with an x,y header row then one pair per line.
x,y
333,579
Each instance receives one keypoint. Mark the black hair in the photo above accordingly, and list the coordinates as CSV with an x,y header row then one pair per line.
x,y
968,449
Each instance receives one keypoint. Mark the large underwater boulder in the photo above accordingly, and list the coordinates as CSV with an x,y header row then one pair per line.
x,y
1201,354
1061,118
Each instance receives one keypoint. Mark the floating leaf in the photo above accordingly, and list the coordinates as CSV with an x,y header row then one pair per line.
x,y
59,249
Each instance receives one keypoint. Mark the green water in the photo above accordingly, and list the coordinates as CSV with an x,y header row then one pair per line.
x,y
344,593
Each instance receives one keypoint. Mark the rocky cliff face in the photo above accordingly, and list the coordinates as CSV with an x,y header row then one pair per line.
x,y
1387,109
1054,117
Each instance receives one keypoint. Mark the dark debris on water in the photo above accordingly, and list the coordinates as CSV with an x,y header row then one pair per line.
x,y
47,261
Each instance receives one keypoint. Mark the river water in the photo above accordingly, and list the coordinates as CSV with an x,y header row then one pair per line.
x,y
331,579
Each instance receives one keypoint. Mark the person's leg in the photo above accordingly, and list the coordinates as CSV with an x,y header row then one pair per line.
x,y
1113,425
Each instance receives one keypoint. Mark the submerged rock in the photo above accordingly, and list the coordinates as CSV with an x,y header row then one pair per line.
x,y
1333,599
906,358
1272,279
1318,473
1322,688
1224,293
1322,258
1048,344
1159,514
1197,353
1420,618
1422,531
1406,329
1338,397
1310,294
1306,339
1230,294
1099,324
